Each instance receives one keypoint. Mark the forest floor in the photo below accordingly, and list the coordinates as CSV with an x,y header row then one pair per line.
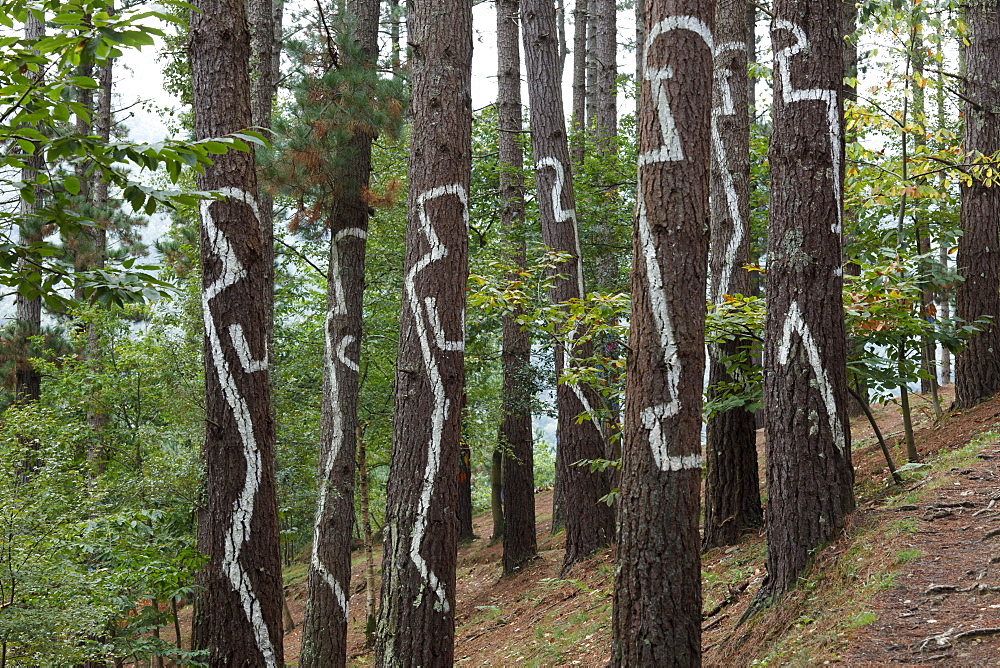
x,y
913,580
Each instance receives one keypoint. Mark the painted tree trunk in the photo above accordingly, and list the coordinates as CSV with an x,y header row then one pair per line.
x,y
657,605
324,628
732,492
238,613
28,380
519,539
417,623
589,523
809,474
977,365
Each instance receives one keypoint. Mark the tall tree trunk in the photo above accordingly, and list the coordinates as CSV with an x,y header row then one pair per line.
x,y
238,617
604,19
657,605
732,490
589,523
944,309
265,61
809,474
977,366
417,623
581,18
324,628
28,383
519,539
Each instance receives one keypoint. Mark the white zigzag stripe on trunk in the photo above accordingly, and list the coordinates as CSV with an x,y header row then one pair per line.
x,y
794,323
721,282
671,150
243,507
331,353
829,97
426,317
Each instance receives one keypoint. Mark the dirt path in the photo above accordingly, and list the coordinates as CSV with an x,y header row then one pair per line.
x,y
946,605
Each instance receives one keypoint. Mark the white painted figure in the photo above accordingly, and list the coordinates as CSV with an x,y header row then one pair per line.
x,y
243,506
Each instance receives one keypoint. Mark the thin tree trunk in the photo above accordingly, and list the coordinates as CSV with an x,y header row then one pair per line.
x,y
657,605
28,383
238,613
732,490
496,494
589,523
977,365
465,531
944,308
605,56
417,623
366,527
518,475
579,117
324,628
809,473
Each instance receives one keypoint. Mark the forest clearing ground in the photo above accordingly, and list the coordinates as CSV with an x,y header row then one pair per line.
x,y
910,574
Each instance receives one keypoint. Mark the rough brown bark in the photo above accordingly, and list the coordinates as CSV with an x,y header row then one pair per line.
x,y
324,628
579,117
496,494
809,474
238,617
977,366
371,615
605,56
417,623
519,540
732,491
589,523
657,605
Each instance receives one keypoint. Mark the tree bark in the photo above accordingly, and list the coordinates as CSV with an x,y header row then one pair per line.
x,y
417,623
465,531
519,539
604,19
28,380
496,493
732,490
579,117
324,628
657,605
977,365
809,474
238,615
371,614
589,523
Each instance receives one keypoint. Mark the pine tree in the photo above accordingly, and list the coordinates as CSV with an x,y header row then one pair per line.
x,y
732,492
809,474
977,366
417,622
519,540
238,614
589,522
657,605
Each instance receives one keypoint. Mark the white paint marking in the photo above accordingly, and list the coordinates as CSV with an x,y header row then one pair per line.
x,y
670,150
829,97
727,108
331,353
429,331
242,347
564,215
794,323
232,272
